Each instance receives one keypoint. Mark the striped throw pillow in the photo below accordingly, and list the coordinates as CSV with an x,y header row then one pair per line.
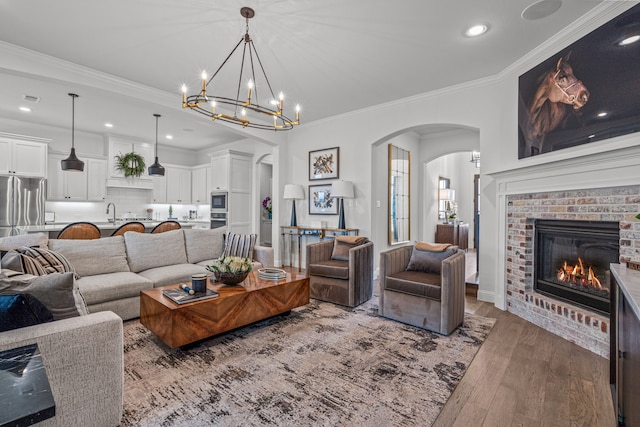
x,y
240,245
40,262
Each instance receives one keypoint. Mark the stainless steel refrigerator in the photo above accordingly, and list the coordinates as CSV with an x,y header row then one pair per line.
x,y
21,203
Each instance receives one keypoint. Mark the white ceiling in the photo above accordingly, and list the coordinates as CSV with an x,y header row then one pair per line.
x,y
331,56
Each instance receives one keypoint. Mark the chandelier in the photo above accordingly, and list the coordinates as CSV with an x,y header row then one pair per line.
x,y
246,112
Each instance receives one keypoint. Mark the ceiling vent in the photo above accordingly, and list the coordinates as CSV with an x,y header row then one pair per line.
x,y
30,98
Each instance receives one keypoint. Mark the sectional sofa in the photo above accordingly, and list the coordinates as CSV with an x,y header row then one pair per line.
x,y
83,355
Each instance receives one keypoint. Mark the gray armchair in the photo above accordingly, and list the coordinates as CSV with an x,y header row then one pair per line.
x,y
431,299
341,270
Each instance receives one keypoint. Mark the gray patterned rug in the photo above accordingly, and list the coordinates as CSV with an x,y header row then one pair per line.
x,y
322,365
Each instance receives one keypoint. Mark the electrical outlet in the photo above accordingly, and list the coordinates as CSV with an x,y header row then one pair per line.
x,y
378,203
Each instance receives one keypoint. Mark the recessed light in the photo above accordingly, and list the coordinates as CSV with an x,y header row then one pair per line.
x,y
602,114
628,40
108,125
25,109
476,30
169,137
592,136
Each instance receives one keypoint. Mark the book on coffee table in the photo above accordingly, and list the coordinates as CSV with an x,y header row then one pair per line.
x,y
179,296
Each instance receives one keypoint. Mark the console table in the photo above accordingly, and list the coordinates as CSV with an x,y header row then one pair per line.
x,y
456,234
301,231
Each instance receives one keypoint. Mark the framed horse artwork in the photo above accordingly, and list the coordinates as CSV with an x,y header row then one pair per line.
x,y
586,92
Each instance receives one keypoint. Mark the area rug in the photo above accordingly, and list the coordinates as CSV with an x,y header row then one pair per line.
x,y
322,365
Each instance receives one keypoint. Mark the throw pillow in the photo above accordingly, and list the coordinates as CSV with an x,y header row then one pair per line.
x,y
38,261
240,245
204,244
57,291
21,310
342,245
429,261
95,256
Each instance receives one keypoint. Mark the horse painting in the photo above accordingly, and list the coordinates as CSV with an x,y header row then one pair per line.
x,y
558,90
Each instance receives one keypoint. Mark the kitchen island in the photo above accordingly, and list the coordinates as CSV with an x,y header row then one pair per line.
x,y
106,228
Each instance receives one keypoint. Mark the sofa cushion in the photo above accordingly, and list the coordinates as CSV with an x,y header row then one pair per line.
x,y
336,269
57,291
172,274
148,250
240,245
429,261
12,242
39,261
21,310
204,244
96,256
342,245
426,285
113,286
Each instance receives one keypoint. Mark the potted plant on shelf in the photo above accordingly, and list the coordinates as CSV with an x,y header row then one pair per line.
x,y
130,164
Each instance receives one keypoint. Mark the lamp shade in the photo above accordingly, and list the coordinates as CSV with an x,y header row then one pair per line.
x,y
342,189
293,191
447,194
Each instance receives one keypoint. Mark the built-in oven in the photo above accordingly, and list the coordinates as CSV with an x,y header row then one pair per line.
x,y
218,219
219,201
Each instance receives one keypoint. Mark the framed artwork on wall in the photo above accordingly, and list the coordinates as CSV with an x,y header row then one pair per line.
x,y
586,92
324,164
320,200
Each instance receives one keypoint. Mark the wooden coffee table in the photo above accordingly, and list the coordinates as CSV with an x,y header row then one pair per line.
x,y
253,300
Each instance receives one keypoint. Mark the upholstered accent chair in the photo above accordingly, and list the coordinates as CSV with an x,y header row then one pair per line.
x,y
166,226
136,226
341,270
80,230
423,286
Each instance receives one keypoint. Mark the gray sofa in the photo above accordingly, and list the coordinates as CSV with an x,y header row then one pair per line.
x,y
83,355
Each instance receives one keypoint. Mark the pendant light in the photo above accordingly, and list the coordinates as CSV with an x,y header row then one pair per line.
x,y
72,163
156,169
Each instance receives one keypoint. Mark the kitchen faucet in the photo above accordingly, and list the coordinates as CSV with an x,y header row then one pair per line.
x,y
114,210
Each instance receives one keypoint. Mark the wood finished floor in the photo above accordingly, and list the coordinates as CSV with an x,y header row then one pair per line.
x,y
526,376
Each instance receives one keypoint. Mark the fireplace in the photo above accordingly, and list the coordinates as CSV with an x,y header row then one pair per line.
x,y
572,260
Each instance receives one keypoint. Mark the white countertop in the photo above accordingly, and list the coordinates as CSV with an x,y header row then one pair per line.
x,y
58,226
629,282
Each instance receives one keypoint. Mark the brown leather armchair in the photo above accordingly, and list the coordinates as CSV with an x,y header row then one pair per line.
x,y
341,270
430,298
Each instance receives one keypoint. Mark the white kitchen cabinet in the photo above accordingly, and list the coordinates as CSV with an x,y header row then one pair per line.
x,y
23,158
65,185
159,188
200,185
178,184
96,179
119,147
232,171
220,172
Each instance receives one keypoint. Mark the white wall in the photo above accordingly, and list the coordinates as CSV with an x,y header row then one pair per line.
x,y
488,105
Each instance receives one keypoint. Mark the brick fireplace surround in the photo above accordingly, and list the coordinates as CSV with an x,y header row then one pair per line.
x,y
576,324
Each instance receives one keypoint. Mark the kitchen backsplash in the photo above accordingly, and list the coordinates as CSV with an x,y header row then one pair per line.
x,y
133,201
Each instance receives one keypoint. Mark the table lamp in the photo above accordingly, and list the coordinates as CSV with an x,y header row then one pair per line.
x,y
342,190
293,192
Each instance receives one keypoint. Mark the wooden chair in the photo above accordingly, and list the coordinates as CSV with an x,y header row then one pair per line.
x,y
166,226
81,231
136,226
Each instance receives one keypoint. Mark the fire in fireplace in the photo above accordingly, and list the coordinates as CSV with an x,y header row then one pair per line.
x,y
572,260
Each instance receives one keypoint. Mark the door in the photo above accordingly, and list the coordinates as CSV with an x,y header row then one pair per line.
x,y
6,193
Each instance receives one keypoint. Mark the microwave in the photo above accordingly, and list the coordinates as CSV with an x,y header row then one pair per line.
x,y
219,201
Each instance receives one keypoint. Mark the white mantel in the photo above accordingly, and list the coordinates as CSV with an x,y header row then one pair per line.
x,y
618,167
